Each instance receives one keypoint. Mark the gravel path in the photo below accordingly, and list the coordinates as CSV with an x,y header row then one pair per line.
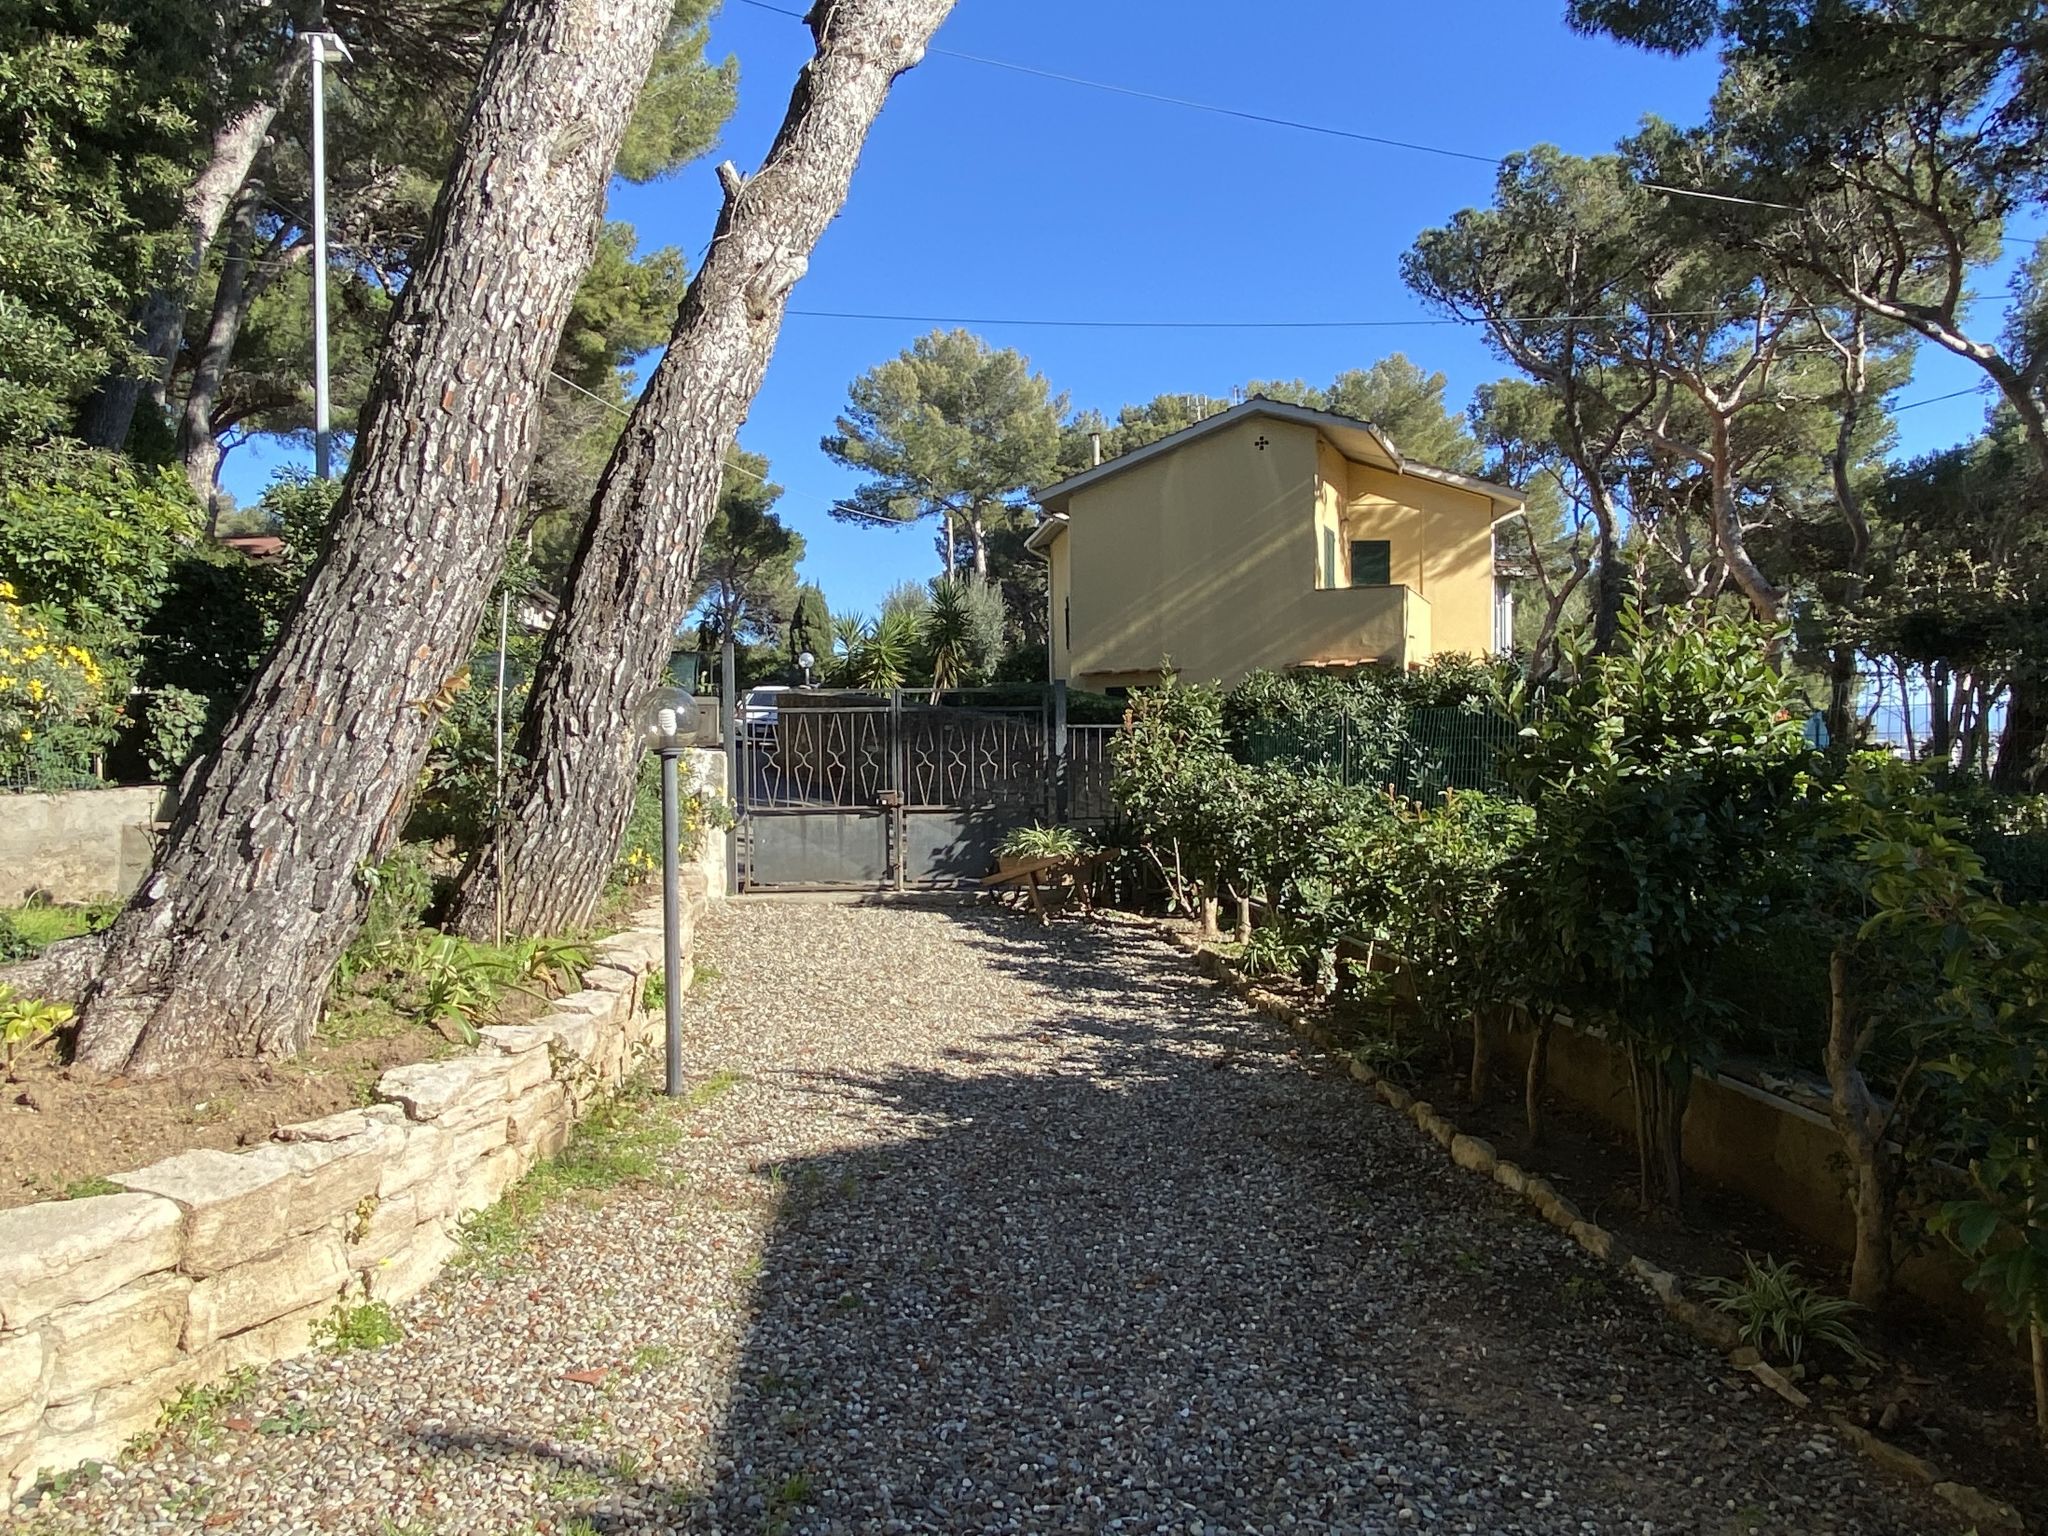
x,y
984,1227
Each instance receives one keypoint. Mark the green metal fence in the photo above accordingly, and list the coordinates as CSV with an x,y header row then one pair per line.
x,y
33,769
1417,752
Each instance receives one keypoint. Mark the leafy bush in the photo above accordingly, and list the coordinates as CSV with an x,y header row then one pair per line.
x,y
174,724
57,706
640,852
1271,950
1781,1314
458,786
401,890
1661,779
90,542
1377,726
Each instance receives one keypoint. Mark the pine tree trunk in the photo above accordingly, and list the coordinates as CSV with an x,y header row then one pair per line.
x,y
2021,743
629,584
160,323
1765,600
198,447
228,947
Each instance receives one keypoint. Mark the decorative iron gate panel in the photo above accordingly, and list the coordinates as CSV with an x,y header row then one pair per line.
x,y
865,791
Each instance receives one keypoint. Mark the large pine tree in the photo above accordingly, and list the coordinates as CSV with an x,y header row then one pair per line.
x,y
630,585
227,947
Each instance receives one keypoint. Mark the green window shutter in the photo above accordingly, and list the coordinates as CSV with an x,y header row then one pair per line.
x,y
1372,563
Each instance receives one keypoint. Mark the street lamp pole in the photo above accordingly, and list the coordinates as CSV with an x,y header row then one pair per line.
x,y
323,46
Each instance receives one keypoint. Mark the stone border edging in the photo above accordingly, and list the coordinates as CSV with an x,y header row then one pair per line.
x,y
209,1261
1478,1157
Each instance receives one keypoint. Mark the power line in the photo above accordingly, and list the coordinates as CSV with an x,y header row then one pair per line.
x,y
1257,325
1327,130
1974,389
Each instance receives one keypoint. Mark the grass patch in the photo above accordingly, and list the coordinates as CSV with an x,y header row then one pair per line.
x,y
784,1500
368,1325
576,1483
650,1357
713,1088
80,1189
27,931
617,1143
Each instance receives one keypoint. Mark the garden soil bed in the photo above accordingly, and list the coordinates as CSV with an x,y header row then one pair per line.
x,y
61,1129
1944,1390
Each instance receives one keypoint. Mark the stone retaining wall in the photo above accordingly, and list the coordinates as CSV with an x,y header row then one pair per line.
x,y
209,1261
81,845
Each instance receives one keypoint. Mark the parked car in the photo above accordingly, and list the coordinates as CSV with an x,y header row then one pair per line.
x,y
760,710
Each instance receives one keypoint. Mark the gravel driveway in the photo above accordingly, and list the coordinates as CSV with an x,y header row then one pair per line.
x,y
986,1227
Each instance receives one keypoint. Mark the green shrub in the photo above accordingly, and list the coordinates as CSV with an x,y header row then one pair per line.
x,y
640,852
1780,1314
367,1325
1662,778
401,890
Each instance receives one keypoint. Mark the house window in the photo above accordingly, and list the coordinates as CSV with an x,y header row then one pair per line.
x,y
1372,563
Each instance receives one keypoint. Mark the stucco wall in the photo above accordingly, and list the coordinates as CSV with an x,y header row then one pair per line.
x,y
1441,545
82,845
1058,589
208,1261
1224,557
1201,555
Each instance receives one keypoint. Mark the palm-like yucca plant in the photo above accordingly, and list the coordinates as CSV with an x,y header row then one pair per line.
x,y
882,658
1775,1309
963,631
849,633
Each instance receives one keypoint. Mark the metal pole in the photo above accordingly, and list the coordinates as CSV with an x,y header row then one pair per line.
x,y
728,732
498,756
671,922
1062,803
323,464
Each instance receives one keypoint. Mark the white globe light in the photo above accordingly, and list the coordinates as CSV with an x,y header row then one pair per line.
x,y
668,717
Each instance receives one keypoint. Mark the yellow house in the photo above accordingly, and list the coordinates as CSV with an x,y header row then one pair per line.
x,y
1269,535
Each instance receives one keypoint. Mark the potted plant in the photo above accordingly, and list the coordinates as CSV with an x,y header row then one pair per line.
x,y
1024,845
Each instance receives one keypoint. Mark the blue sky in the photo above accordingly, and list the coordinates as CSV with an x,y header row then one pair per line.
x,y
991,195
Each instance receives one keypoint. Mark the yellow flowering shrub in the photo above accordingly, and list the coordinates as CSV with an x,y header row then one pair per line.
x,y
54,704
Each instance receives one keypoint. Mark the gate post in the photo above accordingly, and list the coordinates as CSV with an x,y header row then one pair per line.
x,y
728,717
899,824
1062,805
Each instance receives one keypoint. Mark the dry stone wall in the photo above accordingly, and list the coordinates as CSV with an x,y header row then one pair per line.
x,y
110,1306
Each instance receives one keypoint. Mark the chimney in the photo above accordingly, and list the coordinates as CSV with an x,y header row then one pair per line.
x,y
1094,449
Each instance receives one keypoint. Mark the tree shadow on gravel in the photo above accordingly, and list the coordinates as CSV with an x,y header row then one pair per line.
x,y
1139,1264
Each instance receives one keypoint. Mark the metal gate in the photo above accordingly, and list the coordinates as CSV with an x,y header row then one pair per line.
x,y
839,790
